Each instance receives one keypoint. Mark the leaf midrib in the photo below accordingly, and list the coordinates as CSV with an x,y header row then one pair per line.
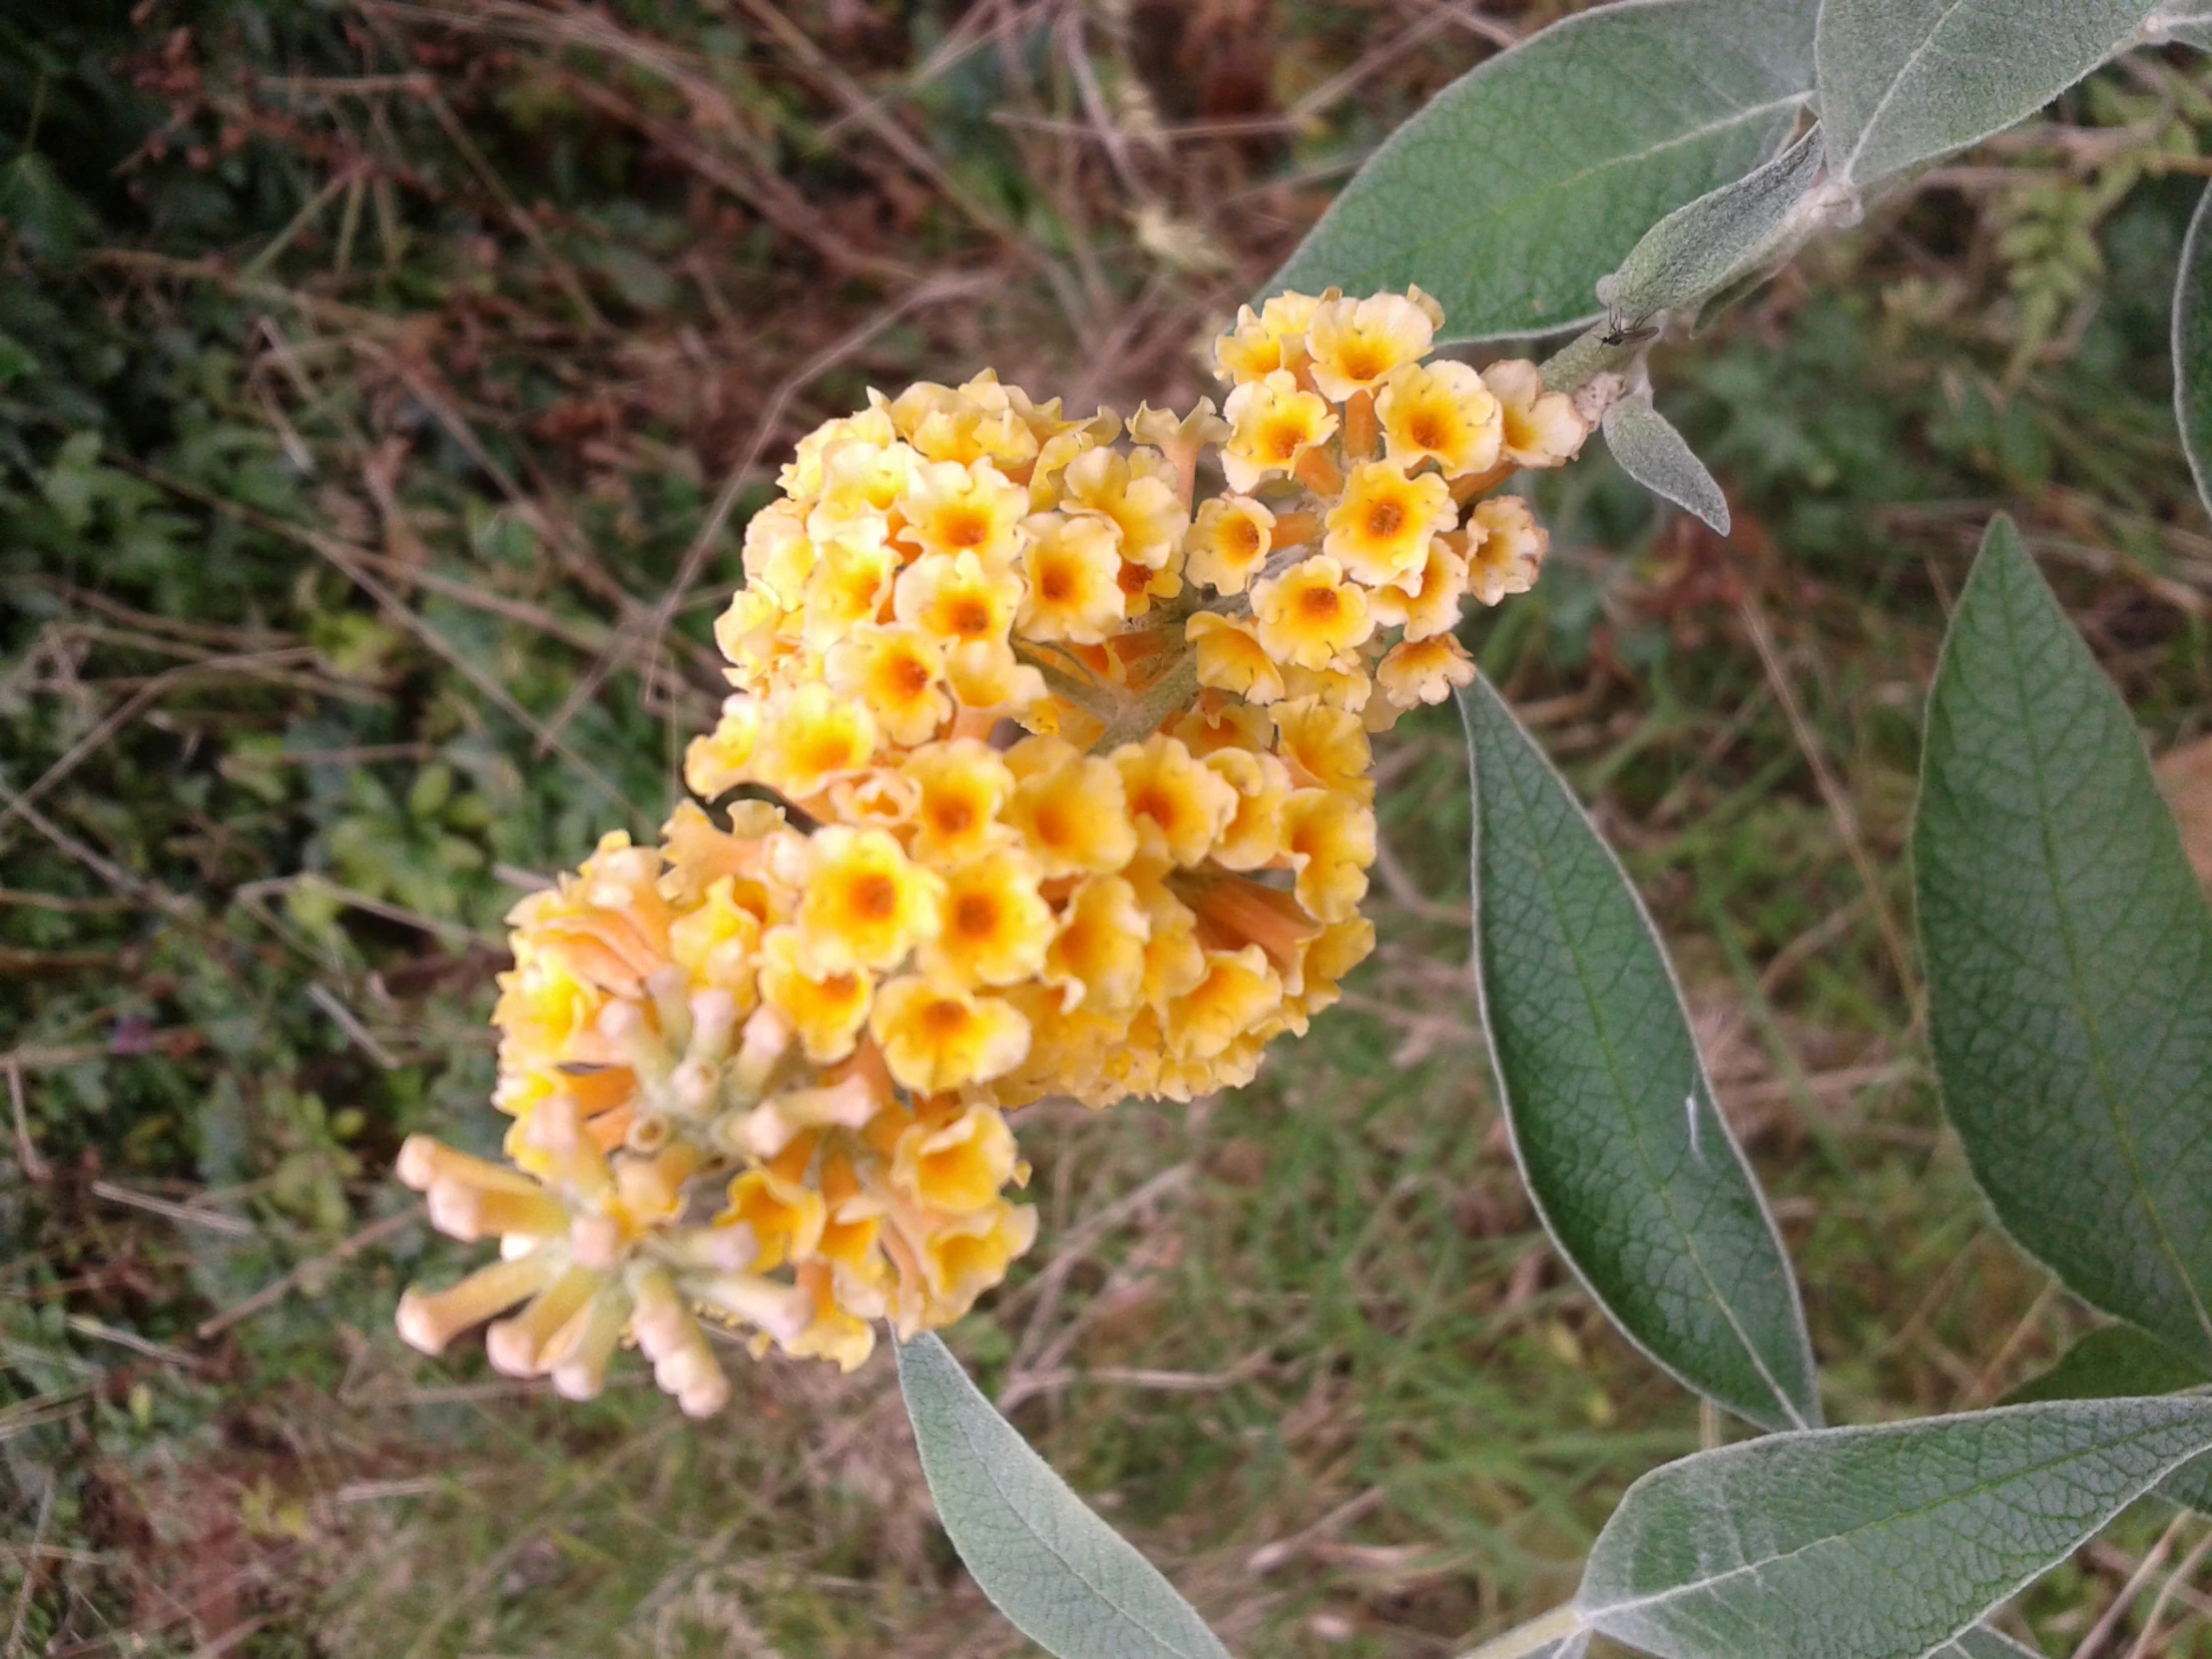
x,y
2026,1471
1509,203
1874,116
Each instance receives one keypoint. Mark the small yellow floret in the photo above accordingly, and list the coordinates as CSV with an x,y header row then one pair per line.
x,y
1072,564
1428,602
1425,671
954,510
1136,493
1511,552
785,1216
1239,990
1380,530
937,1038
1262,344
959,599
715,943
860,484
1273,422
1354,343
864,903
1230,657
1069,808
1331,839
994,928
1441,412
959,1167
1324,746
1176,804
899,672
1540,428
721,759
1310,615
1229,543
1096,961
850,581
826,1009
963,786
1253,838
810,737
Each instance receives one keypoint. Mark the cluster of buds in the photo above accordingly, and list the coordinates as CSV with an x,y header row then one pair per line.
x,y
1057,778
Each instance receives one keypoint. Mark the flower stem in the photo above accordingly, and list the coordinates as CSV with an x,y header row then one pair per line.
x,y
1538,1633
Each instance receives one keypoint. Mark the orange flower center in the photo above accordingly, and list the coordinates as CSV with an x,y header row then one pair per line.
x,y
1152,804
1282,439
910,675
1364,360
975,917
1386,518
875,897
944,1018
1427,429
1319,604
1055,583
964,527
968,617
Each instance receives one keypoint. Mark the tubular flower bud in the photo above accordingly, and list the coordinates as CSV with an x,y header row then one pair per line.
x,y
1064,730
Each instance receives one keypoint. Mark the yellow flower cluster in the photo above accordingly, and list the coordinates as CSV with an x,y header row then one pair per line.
x,y
1058,777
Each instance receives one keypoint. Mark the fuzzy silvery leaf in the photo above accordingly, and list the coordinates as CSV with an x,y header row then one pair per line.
x,y
2122,1361
2069,959
1871,1543
1645,445
1698,249
1063,1577
1531,175
2188,21
1903,82
2193,348
1630,1165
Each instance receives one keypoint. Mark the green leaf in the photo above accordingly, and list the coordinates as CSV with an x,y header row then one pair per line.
x,y
1631,1167
1904,80
2193,348
1698,249
1647,447
1528,177
2070,960
1871,1543
2117,1362
1062,1576
2110,1364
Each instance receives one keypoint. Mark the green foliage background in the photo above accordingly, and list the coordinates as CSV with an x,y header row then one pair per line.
x,y
367,373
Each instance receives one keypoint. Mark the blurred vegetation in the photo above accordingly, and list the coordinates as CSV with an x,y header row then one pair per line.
x,y
382,388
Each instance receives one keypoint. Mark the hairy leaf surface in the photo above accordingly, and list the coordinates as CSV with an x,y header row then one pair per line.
x,y
1063,1577
1648,448
1528,178
1904,80
2070,960
1871,1543
1632,1168
1698,249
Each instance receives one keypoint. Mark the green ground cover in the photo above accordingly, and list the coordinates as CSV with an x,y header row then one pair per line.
x,y
380,388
